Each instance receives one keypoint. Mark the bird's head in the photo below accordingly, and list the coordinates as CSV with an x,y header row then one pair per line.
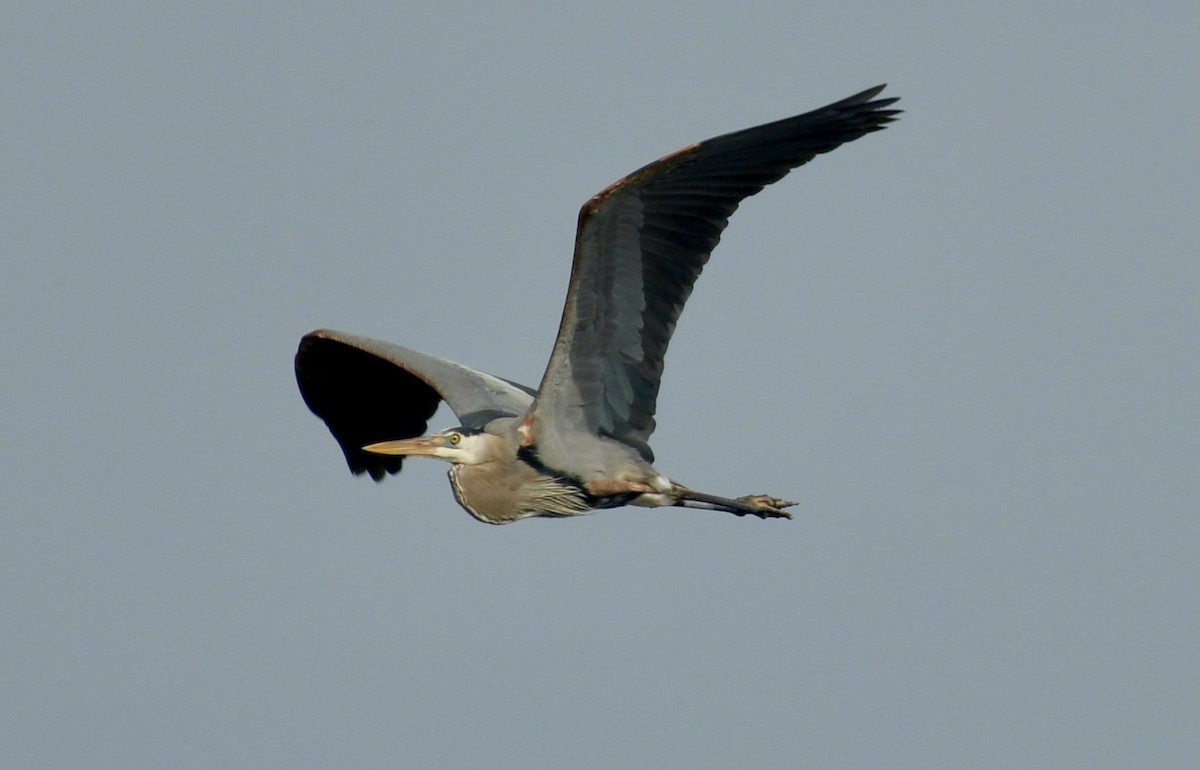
x,y
461,446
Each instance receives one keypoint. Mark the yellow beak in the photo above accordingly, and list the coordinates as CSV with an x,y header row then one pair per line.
x,y
422,445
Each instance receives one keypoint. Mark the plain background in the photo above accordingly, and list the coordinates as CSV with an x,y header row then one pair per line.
x,y
967,345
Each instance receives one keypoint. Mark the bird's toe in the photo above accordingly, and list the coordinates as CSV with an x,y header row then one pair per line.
x,y
768,507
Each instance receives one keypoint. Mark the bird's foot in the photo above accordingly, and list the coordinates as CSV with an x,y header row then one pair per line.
x,y
766,507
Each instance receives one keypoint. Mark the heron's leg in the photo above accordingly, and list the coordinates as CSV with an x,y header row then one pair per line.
x,y
762,506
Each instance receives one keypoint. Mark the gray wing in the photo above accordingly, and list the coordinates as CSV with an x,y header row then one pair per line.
x,y
368,391
640,246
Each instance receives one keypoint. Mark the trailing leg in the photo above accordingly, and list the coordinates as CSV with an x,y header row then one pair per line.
x,y
762,506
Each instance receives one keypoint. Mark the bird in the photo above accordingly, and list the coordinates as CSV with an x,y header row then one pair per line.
x,y
579,442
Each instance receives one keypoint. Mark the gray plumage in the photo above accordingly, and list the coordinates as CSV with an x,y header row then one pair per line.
x,y
581,440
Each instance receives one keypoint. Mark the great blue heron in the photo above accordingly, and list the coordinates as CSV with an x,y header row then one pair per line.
x,y
579,442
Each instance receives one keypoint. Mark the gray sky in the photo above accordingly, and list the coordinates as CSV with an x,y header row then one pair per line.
x,y
967,345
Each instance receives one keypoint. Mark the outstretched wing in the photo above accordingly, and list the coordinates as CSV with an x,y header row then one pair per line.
x,y
640,246
368,391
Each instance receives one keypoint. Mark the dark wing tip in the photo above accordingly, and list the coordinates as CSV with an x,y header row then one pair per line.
x,y
867,103
362,398
857,114
867,97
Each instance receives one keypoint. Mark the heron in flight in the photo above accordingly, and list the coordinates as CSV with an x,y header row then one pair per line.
x,y
580,441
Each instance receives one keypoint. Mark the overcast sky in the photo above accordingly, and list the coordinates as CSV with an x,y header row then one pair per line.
x,y
966,344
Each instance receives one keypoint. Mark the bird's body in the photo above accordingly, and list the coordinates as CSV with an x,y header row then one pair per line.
x,y
579,442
